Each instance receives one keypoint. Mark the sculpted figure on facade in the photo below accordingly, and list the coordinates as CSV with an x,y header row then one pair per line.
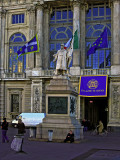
x,y
62,58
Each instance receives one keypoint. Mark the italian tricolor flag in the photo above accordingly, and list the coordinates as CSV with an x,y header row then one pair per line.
x,y
72,44
73,41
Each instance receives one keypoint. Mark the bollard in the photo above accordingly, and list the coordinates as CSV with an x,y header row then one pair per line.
x,y
50,135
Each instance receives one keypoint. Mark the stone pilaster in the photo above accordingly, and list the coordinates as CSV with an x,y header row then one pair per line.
x,y
46,39
114,103
36,96
39,29
31,11
115,57
75,69
82,37
2,49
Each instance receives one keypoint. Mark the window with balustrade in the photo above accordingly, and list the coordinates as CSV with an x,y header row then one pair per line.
x,y
97,18
15,43
61,28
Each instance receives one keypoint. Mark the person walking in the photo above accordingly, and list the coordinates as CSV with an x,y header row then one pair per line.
x,y
21,127
4,130
100,127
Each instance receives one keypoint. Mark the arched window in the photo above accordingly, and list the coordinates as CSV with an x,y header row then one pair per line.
x,y
15,43
61,29
97,18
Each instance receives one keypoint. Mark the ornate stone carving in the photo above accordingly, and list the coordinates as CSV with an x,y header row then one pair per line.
x,y
115,102
36,99
72,105
31,9
3,12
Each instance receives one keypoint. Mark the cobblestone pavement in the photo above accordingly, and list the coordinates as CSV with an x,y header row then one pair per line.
x,y
91,148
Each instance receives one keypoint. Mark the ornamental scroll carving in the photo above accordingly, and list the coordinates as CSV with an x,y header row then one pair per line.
x,y
115,102
36,100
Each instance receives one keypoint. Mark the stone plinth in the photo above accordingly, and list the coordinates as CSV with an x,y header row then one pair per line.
x,y
60,110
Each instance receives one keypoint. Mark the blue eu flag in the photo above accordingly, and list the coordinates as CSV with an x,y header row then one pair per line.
x,y
30,47
101,42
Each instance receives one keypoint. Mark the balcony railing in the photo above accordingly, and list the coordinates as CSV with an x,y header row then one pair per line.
x,y
95,71
50,73
8,75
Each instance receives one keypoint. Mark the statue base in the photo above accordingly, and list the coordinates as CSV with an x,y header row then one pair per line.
x,y
60,110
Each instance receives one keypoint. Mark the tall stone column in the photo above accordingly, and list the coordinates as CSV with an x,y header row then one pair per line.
x,y
39,29
31,11
115,57
75,69
2,49
0,38
46,39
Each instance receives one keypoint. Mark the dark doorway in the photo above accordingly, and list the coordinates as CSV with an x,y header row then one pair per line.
x,y
95,110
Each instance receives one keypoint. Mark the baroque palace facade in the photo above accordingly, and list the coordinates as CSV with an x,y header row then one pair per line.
x,y
23,81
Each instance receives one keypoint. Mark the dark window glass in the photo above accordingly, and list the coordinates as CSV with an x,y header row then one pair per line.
x,y
53,35
23,17
61,36
108,11
64,15
17,18
95,11
59,29
97,34
58,15
14,103
13,19
52,47
101,11
17,65
20,18
89,13
70,14
18,39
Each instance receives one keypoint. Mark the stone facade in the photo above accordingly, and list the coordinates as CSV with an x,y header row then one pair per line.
x,y
31,85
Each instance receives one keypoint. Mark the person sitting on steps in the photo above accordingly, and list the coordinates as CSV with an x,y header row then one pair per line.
x,y
70,137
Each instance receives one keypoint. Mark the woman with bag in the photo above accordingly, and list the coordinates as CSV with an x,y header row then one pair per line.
x,y
21,127
18,139
4,130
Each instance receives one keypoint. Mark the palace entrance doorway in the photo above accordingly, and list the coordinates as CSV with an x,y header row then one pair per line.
x,y
96,109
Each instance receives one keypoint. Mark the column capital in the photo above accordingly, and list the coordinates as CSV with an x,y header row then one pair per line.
x,y
3,12
31,9
84,5
76,3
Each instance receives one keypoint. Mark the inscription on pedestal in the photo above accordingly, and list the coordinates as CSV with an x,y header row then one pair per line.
x,y
57,105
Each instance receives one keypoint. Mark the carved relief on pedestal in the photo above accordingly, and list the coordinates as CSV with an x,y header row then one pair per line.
x,y
72,105
115,102
36,99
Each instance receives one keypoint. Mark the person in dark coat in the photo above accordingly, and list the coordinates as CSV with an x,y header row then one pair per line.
x,y
21,127
4,130
70,137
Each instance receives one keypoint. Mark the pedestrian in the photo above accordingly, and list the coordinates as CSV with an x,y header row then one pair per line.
x,y
70,137
100,127
21,127
4,131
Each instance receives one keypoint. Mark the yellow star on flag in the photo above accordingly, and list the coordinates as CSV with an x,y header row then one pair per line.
x,y
32,48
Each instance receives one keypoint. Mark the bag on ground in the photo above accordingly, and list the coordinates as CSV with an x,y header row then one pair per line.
x,y
16,144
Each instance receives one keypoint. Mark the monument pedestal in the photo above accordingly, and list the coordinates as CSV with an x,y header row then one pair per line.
x,y
60,110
